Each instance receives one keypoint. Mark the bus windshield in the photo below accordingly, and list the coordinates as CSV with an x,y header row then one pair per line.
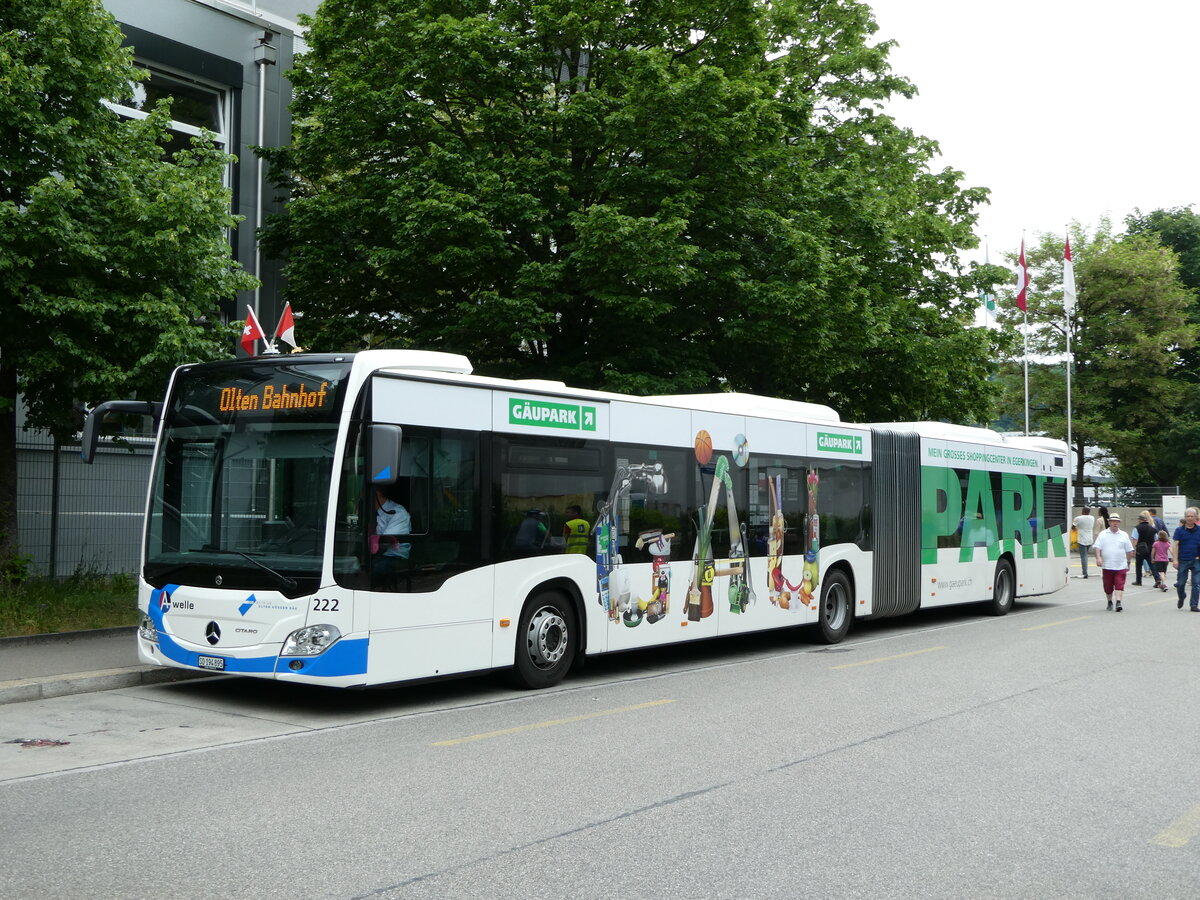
x,y
242,478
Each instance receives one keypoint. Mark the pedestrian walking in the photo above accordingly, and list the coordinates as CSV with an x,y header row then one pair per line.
x,y
1143,545
1104,517
1085,530
1113,552
1185,548
1162,558
1156,519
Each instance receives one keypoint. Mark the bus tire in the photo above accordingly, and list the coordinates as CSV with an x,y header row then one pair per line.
x,y
547,641
1003,589
836,609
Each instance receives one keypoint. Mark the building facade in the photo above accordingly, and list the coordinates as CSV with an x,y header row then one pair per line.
x,y
224,63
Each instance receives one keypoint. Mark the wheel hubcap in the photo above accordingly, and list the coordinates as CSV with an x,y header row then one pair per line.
x,y
835,606
1004,588
547,637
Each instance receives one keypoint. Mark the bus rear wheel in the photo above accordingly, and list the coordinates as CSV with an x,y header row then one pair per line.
x,y
837,608
547,641
1003,589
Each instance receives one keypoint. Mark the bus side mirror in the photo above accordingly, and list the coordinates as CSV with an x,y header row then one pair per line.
x,y
384,461
92,424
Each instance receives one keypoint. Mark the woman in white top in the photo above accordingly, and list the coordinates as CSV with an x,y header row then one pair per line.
x,y
1085,528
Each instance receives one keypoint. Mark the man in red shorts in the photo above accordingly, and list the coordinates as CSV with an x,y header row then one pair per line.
x,y
1113,551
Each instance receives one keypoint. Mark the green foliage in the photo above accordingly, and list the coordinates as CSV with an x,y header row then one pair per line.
x,y
46,606
1130,327
652,197
113,259
1172,455
1178,229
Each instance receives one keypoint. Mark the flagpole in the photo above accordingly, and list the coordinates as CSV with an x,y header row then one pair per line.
x,y
1069,301
1022,302
1067,317
1025,353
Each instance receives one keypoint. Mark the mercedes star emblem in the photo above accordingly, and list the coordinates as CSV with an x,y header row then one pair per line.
x,y
212,632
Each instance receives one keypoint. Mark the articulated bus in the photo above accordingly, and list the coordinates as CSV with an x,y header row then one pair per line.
x,y
388,516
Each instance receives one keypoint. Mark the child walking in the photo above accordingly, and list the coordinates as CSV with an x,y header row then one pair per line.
x,y
1162,559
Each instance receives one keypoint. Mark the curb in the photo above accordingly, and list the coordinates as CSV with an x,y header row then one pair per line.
x,y
31,640
26,689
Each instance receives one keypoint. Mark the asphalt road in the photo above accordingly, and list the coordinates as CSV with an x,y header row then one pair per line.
x,y
1048,753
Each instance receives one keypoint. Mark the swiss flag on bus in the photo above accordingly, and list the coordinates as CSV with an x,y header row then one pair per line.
x,y
252,332
286,331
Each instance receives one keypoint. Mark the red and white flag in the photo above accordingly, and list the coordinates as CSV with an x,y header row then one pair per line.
x,y
1068,279
286,331
1022,279
252,332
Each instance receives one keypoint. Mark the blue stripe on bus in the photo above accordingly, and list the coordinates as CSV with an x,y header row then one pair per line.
x,y
343,658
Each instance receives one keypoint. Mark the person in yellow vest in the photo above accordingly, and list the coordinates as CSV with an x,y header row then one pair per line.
x,y
577,530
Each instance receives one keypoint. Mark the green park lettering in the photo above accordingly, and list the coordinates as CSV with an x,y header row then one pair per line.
x,y
840,443
543,414
960,508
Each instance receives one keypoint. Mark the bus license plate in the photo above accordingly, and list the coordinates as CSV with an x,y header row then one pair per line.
x,y
212,662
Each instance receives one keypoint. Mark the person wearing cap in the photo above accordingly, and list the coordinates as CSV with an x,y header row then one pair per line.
x,y
1113,552
1145,536
1185,549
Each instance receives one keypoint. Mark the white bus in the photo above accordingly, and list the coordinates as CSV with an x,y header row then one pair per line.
x,y
275,543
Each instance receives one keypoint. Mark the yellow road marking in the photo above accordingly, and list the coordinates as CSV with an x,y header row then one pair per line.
x,y
1052,624
518,729
1180,832
868,662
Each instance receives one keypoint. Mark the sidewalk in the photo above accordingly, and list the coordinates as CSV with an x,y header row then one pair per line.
x,y
54,665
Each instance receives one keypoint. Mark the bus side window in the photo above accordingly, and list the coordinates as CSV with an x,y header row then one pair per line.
x,y
538,481
778,501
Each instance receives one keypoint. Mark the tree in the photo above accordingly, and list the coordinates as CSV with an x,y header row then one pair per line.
x,y
1127,334
679,196
1174,452
113,257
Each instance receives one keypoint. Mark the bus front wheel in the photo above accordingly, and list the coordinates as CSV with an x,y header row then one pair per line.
x,y
837,608
547,641
1003,589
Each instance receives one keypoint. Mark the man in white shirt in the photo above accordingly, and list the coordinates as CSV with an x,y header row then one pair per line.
x,y
391,519
1113,552
1085,531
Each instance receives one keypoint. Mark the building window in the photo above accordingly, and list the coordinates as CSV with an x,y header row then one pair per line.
x,y
196,107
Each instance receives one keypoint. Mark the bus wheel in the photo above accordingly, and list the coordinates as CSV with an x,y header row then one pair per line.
x,y
1003,589
837,608
547,640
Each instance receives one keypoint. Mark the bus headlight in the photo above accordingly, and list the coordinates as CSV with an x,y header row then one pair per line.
x,y
310,641
147,630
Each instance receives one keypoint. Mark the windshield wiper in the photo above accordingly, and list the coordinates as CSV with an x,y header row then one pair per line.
x,y
283,580
289,583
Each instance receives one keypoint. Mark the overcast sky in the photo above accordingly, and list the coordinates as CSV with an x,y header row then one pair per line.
x,y
1066,109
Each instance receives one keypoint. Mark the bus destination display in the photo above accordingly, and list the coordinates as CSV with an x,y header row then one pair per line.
x,y
262,392
274,396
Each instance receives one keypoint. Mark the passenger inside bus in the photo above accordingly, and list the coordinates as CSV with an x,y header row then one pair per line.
x,y
532,532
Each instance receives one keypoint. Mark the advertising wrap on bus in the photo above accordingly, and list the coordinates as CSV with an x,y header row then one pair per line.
x,y
390,516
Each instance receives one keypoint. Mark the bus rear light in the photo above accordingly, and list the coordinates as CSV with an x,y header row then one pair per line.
x,y
310,641
147,629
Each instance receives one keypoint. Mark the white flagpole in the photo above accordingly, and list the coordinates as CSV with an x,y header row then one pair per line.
x,y
1025,330
1025,353
1069,302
